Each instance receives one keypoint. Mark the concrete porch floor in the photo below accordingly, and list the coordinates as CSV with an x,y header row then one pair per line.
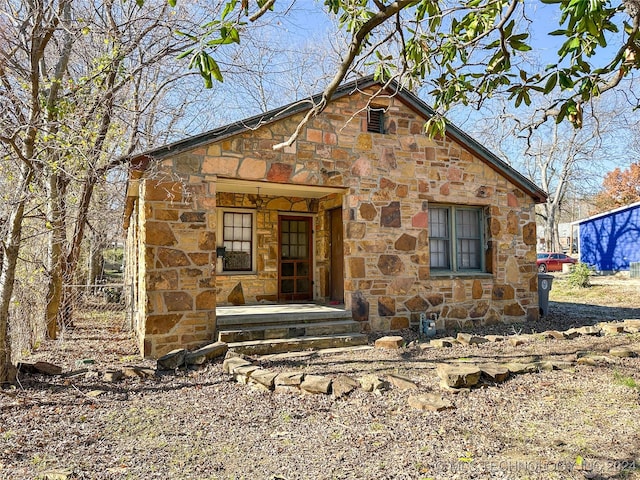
x,y
278,309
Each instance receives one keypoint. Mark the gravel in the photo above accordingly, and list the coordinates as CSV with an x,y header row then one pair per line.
x,y
577,423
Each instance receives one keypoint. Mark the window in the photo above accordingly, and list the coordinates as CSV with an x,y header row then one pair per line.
x,y
455,238
237,239
375,120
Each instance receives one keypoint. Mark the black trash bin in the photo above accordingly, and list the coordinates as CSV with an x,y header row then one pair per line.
x,y
544,286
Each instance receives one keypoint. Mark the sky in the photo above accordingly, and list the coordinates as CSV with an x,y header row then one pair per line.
x,y
306,27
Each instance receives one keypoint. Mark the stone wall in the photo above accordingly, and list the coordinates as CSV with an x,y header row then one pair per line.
x,y
179,248
392,179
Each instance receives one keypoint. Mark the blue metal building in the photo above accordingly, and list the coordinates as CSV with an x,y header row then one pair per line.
x,y
610,241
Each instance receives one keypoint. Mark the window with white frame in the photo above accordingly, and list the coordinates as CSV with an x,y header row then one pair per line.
x,y
455,239
238,240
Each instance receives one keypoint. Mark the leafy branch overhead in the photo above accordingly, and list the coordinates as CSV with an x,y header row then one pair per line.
x,y
466,51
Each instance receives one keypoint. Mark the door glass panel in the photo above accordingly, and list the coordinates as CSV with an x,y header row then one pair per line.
x,y
287,269
286,286
303,269
302,285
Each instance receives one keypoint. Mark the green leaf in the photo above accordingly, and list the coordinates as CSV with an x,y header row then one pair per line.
x,y
214,69
228,8
520,46
565,80
172,2
551,83
185,54
234,35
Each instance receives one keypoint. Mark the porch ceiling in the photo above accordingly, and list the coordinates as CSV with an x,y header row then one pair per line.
x,y
233,185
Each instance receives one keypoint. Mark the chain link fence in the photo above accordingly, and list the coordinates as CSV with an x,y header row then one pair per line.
x,y
97,301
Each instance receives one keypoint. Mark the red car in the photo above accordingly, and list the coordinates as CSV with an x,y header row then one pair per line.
x,y
552,262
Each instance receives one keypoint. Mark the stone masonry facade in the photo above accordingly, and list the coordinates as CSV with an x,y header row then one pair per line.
x,y
390,180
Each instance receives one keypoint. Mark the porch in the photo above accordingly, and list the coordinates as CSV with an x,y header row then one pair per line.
x,y
276,328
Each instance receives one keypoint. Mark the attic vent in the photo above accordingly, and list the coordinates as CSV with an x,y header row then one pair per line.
x,y
375,120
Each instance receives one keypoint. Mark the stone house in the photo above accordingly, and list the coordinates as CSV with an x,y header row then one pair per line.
x,y
362,210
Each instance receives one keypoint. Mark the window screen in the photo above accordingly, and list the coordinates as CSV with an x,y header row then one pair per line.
x,y
237,238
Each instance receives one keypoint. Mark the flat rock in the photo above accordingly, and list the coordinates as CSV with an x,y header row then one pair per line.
x,y
589,330
622,352
612,328
95,393
343,386
555,365
571,333
518,368
444,342
632,326
458,376
286,389
470,339
390,343
206,353
264,377
230,363
233,354
316,384
243,373
494,372
430,402
112,375
56,475
373,383
554,334
401,383
172,360
47,368
289,379
139,372
593,360
494,338
517,340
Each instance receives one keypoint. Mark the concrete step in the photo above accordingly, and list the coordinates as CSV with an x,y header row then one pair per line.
x,y
291,330
280,345
238,318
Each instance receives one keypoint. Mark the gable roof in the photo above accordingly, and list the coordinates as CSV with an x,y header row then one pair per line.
x,y
410,99
608,212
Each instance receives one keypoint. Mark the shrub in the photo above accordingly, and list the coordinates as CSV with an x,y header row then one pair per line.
x,y
579,276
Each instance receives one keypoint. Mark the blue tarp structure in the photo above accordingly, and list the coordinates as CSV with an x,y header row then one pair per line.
x,y
610,241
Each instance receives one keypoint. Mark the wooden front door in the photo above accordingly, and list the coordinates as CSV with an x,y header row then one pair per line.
x,y
336,266
295,265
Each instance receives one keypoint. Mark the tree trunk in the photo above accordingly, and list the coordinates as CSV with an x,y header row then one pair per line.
x,y
11,249
57,240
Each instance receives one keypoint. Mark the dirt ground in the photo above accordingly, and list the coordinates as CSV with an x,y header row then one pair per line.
x,y
579,422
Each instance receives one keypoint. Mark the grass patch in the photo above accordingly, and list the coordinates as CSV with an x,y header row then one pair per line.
x,y
562,291
626,381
